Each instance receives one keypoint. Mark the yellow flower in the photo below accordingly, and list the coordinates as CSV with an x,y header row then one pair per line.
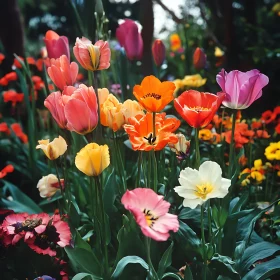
x,y
193,81
218,52
205,134
258,176
182,147
93,159
53,149
272,152
115,114
245,182
276,8
258,164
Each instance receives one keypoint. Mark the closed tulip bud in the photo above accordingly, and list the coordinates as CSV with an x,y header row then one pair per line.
x,y
158,50
49,185
56,45
92,57
53,149
199,59
93,159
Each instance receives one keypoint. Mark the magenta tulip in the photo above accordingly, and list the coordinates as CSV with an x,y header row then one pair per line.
x,y
241,89
56,45
130,38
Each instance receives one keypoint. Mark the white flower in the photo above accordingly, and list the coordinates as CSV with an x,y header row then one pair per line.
x,y
197,186
49,185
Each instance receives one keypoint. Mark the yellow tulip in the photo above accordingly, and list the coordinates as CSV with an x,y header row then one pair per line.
x,y
193,81
93,159
131,108
218,52
53,149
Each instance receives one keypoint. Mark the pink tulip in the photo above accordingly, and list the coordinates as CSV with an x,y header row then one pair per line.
x,y
56,45
241,89
74,109
130,38
92,57
62,72
158,51
151,213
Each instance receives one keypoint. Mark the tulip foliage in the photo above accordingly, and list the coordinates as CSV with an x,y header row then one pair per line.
x,y
129,177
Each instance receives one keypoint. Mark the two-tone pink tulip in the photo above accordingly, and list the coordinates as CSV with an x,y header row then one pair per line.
x,y
74,109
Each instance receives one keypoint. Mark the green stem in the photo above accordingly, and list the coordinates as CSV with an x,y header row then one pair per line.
x,y
137,182
78,18
154,171
209,221
154,125
197,152
221,126
90,81
232,145
103,225
58,177
203,242
151,271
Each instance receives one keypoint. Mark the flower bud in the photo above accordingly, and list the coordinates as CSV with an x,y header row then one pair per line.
x,y
158,50
199,59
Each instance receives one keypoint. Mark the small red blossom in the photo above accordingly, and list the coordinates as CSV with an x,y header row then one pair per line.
x,y
13,97
16,128
8,169
4,128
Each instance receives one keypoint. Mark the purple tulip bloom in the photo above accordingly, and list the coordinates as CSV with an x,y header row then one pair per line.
x,y
130,38
44,277
241,89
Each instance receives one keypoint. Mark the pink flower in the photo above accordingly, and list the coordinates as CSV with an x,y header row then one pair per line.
x,y
49,235
62,72
74,108
56,45
92,57
241,89
130,38
151,213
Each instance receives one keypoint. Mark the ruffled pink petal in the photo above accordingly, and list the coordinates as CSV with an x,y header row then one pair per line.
x,y
16,239
57,77
40,229
166,223
158,236
28,235
69,90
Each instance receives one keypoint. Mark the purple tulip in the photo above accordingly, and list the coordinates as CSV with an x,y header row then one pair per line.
x,y
241,89
130,38
44,277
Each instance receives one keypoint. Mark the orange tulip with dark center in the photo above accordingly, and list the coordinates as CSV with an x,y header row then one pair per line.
x,y
140,132
198,108
153,94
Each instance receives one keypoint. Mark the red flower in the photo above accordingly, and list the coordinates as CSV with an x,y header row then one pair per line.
x,y
158,51
277,128
2,57
262,134
12,76
13,96
56,45
198,108
4,128
268,116
16,128
38,82
199,59
8,169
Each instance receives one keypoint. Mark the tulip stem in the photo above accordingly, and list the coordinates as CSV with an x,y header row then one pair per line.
x,y
197,152
203,242
154,126
137,182
103,225
232,144
151,271
155,171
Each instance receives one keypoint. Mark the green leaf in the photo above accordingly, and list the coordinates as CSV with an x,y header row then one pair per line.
x,y
128,260
74,214
264,270
171,275
224,266
165,261
110,193
188,238
83,260
254,253
81,243
188,273
81,276
21,202
240,203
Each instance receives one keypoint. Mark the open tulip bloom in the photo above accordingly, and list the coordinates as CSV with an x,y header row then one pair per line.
x,y
197,186
241,88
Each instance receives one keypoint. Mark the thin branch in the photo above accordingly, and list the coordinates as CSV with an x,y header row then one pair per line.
x,y
164,7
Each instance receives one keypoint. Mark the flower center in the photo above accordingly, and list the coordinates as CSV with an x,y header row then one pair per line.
x,y
151,140
154,95
199,108
150,218
48,238
94,52
203,189
27,225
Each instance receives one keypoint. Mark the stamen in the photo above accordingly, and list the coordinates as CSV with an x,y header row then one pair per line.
x,y
154,95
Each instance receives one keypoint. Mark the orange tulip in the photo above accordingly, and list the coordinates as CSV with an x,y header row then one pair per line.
x,y
140,132
153,94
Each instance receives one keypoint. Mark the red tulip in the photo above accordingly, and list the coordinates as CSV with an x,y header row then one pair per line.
x,y
130,38
198,108
56,45
158,50
199,59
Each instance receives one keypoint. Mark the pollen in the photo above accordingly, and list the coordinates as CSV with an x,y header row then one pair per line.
x,y
150,218
199,109
154,95
203,189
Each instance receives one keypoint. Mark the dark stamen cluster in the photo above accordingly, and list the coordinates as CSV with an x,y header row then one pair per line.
x,y
151,140
154,95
